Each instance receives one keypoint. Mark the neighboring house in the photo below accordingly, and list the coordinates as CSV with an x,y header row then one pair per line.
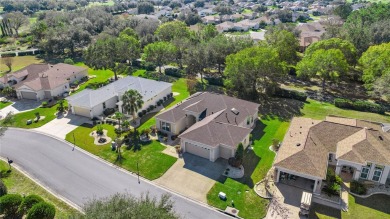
x,y
43,81
92,103
211,19
243,25
310,33
210,125
356,148
205,12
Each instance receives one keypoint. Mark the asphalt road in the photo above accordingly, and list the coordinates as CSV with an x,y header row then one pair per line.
x,y
78,177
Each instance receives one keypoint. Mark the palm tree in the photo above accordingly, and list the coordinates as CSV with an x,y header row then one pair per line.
x,y
132,102
119,117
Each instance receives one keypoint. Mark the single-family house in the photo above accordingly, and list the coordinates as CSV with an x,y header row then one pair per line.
x,y
356,148
211,19
210,125
310,33
92,103
43,81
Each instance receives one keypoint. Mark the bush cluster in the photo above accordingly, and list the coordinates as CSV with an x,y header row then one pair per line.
x,y
108,111
174,72
359,105
292,94
358,188
214,81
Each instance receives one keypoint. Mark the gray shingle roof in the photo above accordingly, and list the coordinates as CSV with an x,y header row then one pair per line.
x,y
147,88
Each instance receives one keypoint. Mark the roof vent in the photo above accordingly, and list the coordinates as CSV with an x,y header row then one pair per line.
x,y
235,111
380,138
298,144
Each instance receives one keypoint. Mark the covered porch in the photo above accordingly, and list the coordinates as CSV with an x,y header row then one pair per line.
x,y
302,181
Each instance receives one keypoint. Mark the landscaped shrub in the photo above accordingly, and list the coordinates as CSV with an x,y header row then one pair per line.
x,y
358,188
108,111
140,114
359,105
9,205
333,183
69,61
174,72
149,66
215,81
44,104
28,202
42,210
99,130
292,94
3,188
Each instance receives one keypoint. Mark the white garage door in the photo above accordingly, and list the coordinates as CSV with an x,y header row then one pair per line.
x,y
82,112
196,150
225,152
29,95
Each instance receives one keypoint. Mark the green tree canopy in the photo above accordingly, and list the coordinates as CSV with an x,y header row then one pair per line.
x,y
346,47
123,206
174,29
375,63
160,53
253,70
326,65
285,43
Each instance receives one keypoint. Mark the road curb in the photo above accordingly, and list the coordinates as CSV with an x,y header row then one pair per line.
x,y
120,169
36,181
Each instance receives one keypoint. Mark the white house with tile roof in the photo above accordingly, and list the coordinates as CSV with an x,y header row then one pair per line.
x,y
92,103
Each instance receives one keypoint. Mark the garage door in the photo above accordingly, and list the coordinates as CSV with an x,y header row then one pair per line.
x,y
29,95
225,152
81,112
196,150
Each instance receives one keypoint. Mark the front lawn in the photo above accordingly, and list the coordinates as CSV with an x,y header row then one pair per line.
x,y
151,161
48,113
179,86
376,206
18,183
256,167
4,104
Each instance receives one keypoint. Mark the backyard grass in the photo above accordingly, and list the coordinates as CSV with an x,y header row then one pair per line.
x,y
16,182
4,104
376,206
179,86
151,161
19,63
105,3
101,76
317,110
256,167
48,113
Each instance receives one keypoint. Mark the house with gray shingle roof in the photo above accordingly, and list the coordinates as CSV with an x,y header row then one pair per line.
x,y
357,149
210,125
91,103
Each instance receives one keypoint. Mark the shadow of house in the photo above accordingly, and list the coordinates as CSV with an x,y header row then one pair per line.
x,y
317,209
212,170
378,202
249,163
25,105
283,108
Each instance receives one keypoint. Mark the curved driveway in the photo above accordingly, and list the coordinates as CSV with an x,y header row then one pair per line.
x,y
78,177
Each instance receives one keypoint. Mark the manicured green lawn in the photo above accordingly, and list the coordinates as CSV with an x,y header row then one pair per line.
x,y
49,113
96,3
179,86
139,72
256,167
318,110
20,62
101,75
152,162
376,206
16,182
4,104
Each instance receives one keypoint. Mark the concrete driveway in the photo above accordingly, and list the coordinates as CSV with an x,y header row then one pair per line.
x,y
20,106
193,176
61,126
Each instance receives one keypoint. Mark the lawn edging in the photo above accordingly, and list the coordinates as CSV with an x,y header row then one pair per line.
x,y
123,170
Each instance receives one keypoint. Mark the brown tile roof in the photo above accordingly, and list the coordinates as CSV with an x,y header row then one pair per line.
x,y
47,77
341,136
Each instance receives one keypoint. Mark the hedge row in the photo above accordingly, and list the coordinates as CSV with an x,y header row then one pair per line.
x,y
215,81
359,105
174,72
292,94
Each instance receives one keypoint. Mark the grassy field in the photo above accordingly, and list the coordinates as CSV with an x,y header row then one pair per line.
x,y
4,104
376,206
152,162
106,3
19,63
101,76
256,166
16,182
178,86
21,118
318,110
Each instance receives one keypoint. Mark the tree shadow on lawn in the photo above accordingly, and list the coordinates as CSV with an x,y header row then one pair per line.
x,y
378,202
250,162
282,108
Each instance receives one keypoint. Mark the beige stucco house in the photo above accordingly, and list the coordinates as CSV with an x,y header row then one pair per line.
x,y
356,147
43,81
210,125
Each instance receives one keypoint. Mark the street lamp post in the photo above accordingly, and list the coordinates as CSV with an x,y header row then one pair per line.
x,y
138,173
